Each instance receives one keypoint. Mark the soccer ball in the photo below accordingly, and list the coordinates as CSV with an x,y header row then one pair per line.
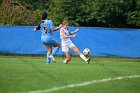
x,y
86,51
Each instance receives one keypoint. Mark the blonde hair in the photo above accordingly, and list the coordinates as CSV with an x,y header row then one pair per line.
x,y
65,22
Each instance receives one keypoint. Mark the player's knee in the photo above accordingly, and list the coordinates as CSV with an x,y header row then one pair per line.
x,y
57,46
68,59
78,52
49,51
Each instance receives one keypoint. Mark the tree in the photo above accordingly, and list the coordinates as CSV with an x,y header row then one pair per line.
x,y
13,12
111,13
102,13
60,10
134,15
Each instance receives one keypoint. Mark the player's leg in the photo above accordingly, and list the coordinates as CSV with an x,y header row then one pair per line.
x,y
56,46
65,49
68,57
76,50
49,49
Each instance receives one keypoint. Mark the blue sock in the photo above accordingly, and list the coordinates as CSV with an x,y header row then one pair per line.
x,y
55,50
48,59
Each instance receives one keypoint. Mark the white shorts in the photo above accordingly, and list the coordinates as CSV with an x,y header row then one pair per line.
x,y
67,47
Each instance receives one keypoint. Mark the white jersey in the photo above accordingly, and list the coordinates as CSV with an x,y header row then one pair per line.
x,y
65,41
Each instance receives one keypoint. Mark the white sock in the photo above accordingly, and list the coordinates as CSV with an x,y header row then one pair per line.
x,y
83,57
64,61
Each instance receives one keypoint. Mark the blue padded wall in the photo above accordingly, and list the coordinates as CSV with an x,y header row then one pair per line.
x,y
101,41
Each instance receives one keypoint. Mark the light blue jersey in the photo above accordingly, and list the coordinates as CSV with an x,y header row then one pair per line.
x,y
47,36
46,26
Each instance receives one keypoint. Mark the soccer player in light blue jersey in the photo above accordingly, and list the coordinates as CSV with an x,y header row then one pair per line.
x,y
48,28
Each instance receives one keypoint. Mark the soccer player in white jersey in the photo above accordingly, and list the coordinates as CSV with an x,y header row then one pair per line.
x,y
67,44
48,28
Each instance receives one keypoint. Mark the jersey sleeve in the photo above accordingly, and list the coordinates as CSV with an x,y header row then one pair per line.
x,y
51,24
38,26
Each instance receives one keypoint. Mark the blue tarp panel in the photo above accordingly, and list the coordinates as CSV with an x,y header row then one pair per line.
x,y
101,41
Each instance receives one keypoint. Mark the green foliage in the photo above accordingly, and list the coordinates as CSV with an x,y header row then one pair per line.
x,y
13,12
60,10
1,1
56,11
108,12
103,13
134,16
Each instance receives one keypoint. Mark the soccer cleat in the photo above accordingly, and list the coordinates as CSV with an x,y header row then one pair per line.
x,y
52,58
65,62
88,60
47,63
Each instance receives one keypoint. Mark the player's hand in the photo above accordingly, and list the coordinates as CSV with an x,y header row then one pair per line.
x,y
74,35
35,29
76,30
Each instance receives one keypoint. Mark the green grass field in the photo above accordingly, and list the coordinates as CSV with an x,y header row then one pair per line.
x,y
23,74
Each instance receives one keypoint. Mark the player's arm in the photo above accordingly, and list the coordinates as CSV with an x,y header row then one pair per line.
x,y
65,36
54,28
37,27
74,32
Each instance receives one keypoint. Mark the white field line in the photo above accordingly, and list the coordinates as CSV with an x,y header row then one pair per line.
x,y
83,84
